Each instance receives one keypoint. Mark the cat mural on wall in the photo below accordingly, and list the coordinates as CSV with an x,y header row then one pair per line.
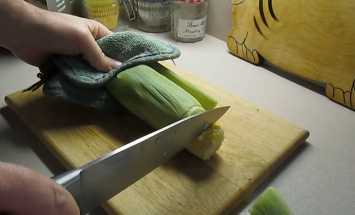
x,y
314,39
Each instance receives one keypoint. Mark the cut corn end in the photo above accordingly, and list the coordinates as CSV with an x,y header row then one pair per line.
x,y
207,144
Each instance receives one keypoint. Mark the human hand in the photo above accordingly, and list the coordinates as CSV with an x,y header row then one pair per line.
x,y
26,192
36,34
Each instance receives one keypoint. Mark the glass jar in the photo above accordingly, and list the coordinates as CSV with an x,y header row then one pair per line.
x,y
188,20
105,11
153,15
114,23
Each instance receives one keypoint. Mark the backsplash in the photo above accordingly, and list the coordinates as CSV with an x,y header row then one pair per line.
x,y
219,17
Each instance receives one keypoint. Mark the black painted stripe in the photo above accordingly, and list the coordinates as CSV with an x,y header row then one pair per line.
x,y
257,27
261,10
271,10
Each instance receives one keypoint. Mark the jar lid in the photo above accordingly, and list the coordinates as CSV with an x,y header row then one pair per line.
x,y
189,1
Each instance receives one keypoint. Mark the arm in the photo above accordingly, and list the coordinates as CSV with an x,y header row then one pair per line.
x,y
16,16
34,34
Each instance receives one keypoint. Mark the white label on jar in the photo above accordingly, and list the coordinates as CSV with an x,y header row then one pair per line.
x,y
192,28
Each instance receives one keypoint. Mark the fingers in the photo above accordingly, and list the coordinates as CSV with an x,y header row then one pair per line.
x,y
26,192
92,52
97,29
94,55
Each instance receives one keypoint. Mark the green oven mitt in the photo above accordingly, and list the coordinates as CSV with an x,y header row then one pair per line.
x,y
72,78
128,47
99,98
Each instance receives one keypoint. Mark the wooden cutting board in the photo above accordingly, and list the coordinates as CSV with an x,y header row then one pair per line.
x,y
314,39
256,143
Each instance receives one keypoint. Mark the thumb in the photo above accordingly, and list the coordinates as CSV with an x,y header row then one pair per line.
x,y
94,55
26,192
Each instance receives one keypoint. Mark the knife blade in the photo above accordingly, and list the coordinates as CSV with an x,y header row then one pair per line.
x,y
100,180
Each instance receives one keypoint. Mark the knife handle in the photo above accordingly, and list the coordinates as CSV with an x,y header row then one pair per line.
x,y
70,180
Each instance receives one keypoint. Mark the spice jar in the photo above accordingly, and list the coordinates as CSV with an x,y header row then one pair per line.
x,y
188,20
153,15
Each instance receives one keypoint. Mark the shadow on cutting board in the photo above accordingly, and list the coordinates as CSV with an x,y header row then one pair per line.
x,y
22,137
190,166
62,115
117,127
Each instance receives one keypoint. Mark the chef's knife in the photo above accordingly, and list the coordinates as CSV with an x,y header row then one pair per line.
x,y
100,180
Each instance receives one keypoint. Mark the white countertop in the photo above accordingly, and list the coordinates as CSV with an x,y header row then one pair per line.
x,y
318,179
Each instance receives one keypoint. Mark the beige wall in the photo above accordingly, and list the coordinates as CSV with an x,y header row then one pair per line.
x,y
219,18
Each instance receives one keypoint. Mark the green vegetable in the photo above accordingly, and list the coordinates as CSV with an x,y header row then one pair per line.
x,y
159,102
205,100
270,203
152,97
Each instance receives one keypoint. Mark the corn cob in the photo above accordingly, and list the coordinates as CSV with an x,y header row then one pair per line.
x,y
208,143
159,102
270,203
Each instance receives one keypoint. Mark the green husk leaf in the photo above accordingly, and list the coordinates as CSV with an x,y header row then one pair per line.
x,y
204,99
152,97
270,203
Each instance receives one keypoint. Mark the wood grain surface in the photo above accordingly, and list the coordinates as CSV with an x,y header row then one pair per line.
x,y
314,39
256,143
